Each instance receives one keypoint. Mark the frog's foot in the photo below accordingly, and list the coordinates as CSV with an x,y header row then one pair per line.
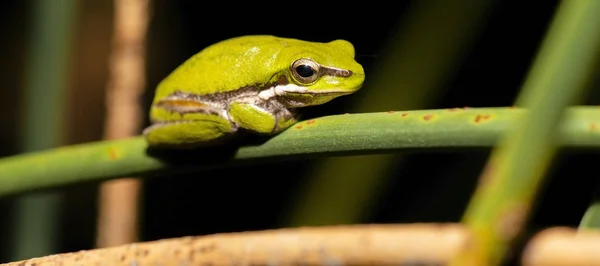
x,y
260,119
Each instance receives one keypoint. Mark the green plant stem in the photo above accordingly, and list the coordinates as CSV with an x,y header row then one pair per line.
x,y
36,216
514,175
338,135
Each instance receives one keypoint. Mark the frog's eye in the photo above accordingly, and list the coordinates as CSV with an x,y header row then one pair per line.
x,y
305,71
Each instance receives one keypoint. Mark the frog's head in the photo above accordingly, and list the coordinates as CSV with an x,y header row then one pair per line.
x,y
317,72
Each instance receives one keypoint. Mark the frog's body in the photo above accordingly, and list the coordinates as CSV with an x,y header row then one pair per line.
x,y
249,82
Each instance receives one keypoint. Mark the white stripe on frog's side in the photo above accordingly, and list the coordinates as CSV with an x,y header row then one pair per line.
x,y
282,90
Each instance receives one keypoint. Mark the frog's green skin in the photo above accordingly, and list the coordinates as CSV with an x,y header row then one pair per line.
x,y
248,83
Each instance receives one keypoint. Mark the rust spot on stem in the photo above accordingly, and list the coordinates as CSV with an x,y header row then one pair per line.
x,y
390,112
404,114
427,117
299,127
310,122
592,127
481,118
113,154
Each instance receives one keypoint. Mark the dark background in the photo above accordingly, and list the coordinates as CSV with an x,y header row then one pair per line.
x,y
254,197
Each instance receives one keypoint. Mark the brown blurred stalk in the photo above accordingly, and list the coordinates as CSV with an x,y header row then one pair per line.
x,y
562,246
374,244
118,217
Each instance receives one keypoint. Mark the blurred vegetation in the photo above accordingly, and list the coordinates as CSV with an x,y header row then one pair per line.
x,y
482,64
47,68
515,174
417,60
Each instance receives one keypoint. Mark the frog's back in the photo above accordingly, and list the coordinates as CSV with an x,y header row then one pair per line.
x,y
227,65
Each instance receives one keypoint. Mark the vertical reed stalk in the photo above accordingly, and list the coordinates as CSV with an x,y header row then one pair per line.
x,y
514,175
36,216
118,217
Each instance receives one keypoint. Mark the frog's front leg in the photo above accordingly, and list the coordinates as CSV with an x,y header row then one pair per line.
x,y
261,117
